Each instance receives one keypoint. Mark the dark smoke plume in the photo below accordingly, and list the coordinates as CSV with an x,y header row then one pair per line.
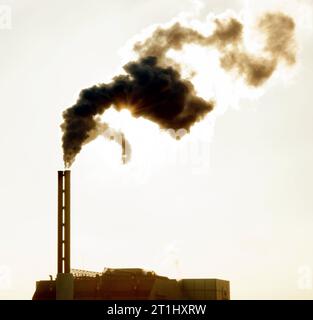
x,y
153,88
155,93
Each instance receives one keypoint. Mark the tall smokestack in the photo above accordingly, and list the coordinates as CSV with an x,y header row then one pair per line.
x,y
64,211
64,280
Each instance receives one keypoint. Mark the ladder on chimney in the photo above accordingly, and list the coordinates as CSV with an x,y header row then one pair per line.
x,y
64,209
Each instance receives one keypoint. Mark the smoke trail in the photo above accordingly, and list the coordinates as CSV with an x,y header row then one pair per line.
x,y
279,46
177,36
227,38
152,87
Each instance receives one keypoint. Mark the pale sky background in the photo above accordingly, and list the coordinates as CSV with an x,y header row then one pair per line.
x,y
238,206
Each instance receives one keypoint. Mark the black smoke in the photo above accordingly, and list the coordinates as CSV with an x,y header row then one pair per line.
x,y
147,90
152,87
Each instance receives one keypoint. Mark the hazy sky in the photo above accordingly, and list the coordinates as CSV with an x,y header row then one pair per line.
x,y
236,206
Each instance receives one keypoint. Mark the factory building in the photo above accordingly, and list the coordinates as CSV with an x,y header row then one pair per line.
x,y
133,284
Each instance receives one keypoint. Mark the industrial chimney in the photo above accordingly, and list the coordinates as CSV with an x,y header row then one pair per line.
x,y
64,227
64,281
